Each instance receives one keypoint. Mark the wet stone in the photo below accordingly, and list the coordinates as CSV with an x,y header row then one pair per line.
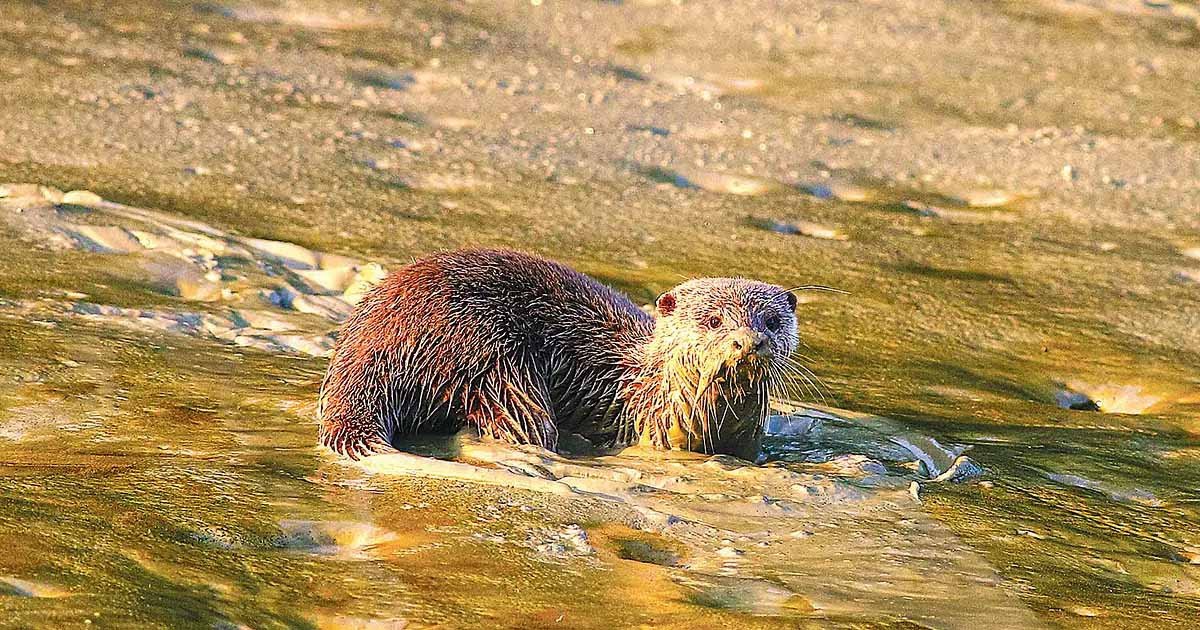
x,y
841,191
1078,401
82,198
802,228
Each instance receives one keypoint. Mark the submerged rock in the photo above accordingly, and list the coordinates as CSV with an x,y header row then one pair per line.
x,y
963,469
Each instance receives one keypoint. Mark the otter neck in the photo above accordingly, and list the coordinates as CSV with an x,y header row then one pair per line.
x,y
679,400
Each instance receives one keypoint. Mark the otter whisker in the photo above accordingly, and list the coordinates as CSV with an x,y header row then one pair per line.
x,y
817,287
808,375
724,412
797,387
809,371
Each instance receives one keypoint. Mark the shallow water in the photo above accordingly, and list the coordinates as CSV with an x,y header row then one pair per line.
x,y
1007,427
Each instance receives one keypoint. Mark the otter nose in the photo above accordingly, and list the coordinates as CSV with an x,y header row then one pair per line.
x,y
749,342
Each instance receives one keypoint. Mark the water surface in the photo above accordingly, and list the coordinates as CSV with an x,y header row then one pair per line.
x,y
1008,192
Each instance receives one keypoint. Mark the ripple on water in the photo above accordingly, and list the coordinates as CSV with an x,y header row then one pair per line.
x,y
1123,495
343,539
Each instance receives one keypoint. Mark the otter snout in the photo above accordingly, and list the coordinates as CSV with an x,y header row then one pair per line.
x,y
747,344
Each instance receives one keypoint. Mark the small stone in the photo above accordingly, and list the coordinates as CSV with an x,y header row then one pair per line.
x,y
1068,173
802,228
729,552
453,123
842,191
82,198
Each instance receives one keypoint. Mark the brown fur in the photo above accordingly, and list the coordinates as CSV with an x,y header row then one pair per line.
x,y
523,349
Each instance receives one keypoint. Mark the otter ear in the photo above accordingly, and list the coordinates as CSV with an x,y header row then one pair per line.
x,y
791,298
665,303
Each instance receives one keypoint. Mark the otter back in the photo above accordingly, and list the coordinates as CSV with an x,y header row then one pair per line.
x,y
519,347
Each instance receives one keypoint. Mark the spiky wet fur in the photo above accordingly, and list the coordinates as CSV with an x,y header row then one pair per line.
x,y
523,349
691,392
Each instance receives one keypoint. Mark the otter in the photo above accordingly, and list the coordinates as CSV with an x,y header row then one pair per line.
x,y
524,349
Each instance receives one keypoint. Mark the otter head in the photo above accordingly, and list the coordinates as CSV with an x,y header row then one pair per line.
x,y
718,345
740,328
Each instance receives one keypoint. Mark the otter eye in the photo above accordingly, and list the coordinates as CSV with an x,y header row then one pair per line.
x,y
712,321
773,322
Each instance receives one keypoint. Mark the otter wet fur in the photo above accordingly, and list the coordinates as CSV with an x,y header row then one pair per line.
x,y
524,349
